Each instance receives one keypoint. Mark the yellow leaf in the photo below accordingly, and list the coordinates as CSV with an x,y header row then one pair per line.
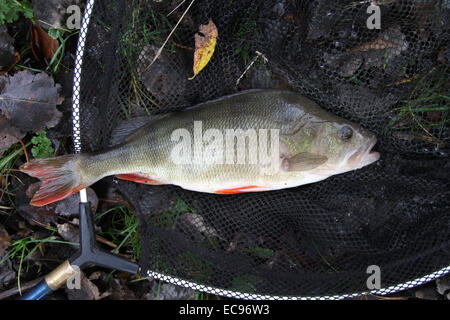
x,y
205,44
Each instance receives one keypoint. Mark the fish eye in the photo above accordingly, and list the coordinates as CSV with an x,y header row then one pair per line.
x,y
345,133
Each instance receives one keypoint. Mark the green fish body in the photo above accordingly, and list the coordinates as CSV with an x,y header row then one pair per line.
x,y
256,140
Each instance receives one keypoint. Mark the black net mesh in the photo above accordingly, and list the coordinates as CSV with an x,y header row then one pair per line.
x,y
314,240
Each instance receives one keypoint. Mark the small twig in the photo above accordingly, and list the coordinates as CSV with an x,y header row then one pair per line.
x,y
372,2
25,100
388,298
114,201
234,242
17,56
158,53
176,7
403,81
3,190
99,238
43,225
24,149
259,54
106,242
126,256
182,46
53,26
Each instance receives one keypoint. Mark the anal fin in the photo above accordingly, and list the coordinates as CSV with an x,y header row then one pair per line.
x,y
139,178
241,190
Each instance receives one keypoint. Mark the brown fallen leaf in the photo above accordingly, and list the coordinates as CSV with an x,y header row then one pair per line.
x,y
71,232
88,291
7,275
5,241
6,48
120,291
410,137
205,44
380,51
443,56
9,135
392,38
43,46
34,216
69,207
28,101
378,44
68,232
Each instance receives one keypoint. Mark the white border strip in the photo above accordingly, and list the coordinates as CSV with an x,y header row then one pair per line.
x,y
185,283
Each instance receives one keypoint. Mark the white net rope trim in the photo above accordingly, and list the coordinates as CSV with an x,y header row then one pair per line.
x,y
250,296
77,76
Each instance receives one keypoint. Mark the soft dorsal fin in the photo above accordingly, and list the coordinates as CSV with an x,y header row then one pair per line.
x,y
303,162
127,128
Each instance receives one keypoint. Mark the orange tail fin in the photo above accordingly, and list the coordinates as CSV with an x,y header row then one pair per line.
x,y
59,178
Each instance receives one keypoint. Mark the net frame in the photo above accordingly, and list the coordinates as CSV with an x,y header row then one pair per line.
x,y
186,283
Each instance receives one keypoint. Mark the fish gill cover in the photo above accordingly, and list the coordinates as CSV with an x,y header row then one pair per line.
x,y
313,240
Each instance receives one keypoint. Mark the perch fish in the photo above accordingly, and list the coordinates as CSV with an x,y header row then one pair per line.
x,y
218,147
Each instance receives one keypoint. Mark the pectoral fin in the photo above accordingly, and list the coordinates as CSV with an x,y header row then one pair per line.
x,y
303,162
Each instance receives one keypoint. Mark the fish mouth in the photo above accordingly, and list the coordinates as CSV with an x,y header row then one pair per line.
x,y
364,155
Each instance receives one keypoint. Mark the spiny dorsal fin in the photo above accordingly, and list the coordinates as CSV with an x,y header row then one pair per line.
x,y
127,128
